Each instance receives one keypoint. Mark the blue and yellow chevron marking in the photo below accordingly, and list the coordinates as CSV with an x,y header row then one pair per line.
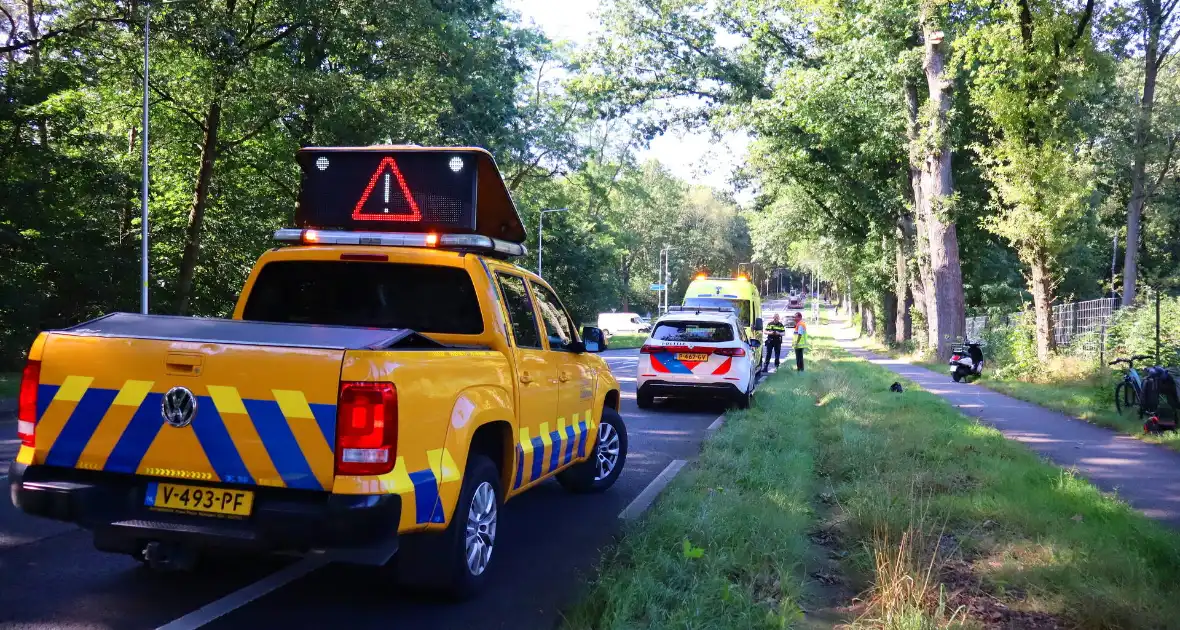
x,y
282,442
555,438
537,457
524,448
419,489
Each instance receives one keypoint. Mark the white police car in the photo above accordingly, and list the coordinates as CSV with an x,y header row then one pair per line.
x,y
699,352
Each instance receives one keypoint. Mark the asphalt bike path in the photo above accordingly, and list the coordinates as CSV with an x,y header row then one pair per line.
x,y
549,544
1145,476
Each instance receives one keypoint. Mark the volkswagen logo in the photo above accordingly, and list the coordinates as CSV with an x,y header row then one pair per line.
x,y
178,407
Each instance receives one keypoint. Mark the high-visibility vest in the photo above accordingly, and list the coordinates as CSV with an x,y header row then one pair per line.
x,y
801,335
776,329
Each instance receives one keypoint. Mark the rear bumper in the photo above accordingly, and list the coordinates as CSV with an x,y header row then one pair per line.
x,y
672,389
348,527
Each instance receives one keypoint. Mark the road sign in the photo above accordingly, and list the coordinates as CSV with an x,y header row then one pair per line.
x,y
658,287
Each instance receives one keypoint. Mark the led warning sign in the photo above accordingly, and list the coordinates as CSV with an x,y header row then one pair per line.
x,y
372,208
405,191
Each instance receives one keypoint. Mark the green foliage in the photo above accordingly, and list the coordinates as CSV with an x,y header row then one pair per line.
x,y
243,84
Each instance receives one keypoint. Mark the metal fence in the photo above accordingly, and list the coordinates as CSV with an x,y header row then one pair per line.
x,y
1071,320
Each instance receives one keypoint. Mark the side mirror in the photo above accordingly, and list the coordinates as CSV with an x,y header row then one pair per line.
x,y
592,339
758,324
755,344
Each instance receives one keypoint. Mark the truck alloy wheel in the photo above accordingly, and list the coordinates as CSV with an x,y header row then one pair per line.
x,y
481,528
602,468
607,453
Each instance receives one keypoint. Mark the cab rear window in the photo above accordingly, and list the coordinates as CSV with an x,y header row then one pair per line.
x,y
423,298
708,332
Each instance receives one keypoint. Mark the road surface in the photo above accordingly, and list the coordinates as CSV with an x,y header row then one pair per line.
x,y
550,541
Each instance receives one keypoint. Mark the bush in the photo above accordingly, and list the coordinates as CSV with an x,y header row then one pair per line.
x,y
1132,331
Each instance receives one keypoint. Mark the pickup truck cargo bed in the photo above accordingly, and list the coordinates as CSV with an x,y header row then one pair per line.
x,y
210,330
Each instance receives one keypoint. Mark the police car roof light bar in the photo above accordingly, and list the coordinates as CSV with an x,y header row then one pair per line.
x,y
474,242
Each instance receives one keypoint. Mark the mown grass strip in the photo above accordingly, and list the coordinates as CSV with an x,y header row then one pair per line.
x,y
724,545
943,519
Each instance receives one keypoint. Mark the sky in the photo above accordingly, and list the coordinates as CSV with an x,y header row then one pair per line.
x,y
693,156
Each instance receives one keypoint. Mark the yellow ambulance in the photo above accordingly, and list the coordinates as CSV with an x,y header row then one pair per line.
x,y
739,293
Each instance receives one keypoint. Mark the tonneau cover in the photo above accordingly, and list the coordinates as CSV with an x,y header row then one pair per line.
x,y
231,331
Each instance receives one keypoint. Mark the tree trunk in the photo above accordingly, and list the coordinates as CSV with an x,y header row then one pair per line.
x,y
922,286
196,216
901,324
625,276
889,316
945,313
35,57
1142,137
1042,290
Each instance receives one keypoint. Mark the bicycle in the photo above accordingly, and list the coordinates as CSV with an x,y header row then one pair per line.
x,y
1129,391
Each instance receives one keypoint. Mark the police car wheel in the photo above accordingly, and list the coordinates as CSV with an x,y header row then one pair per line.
x,y
743,401
600,471
469,543
644,400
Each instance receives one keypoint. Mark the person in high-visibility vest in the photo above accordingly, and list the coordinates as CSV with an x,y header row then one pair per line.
x,y
775,331
800,340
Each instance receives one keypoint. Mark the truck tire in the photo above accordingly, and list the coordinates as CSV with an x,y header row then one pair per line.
x,y
602,469
439,563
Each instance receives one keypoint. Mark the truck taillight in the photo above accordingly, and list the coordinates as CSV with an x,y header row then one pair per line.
x,y
26,410
366,428
730,352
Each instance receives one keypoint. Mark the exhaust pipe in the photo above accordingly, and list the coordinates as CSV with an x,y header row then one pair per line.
x,y
170,557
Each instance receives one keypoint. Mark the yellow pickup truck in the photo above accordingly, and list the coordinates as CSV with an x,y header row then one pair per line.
x,y
387,381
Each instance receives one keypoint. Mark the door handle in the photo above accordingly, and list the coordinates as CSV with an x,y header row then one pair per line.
x,y
564,376
526,378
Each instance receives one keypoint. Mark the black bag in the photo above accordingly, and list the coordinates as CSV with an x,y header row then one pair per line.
x,y
1160,384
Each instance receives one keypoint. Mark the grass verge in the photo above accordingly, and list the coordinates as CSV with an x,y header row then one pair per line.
x,y
725,546
9,384
943,523
623,342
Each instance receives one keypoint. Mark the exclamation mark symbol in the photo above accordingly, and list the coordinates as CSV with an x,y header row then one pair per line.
x,y
387,193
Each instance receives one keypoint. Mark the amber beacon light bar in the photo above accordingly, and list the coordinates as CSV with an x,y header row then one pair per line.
x,y
472,242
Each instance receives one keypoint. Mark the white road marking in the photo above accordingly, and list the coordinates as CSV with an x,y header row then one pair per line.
x,y
653,489
214,610
716,424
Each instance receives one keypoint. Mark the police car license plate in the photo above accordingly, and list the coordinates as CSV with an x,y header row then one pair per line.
x,y
170,496
699,358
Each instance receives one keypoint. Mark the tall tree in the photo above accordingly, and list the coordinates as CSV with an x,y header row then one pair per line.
x,y
1158,31
1034,72
945,310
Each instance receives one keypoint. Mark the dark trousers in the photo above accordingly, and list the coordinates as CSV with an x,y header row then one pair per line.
x,y
799,359
772,345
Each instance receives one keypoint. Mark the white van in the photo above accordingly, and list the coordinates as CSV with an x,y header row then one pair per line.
x,y
622,323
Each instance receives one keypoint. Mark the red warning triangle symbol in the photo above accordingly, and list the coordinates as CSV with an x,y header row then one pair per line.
x,y
387,197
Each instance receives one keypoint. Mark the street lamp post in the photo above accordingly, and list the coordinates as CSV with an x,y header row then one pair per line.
x,y
143,194
666,275
540,225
